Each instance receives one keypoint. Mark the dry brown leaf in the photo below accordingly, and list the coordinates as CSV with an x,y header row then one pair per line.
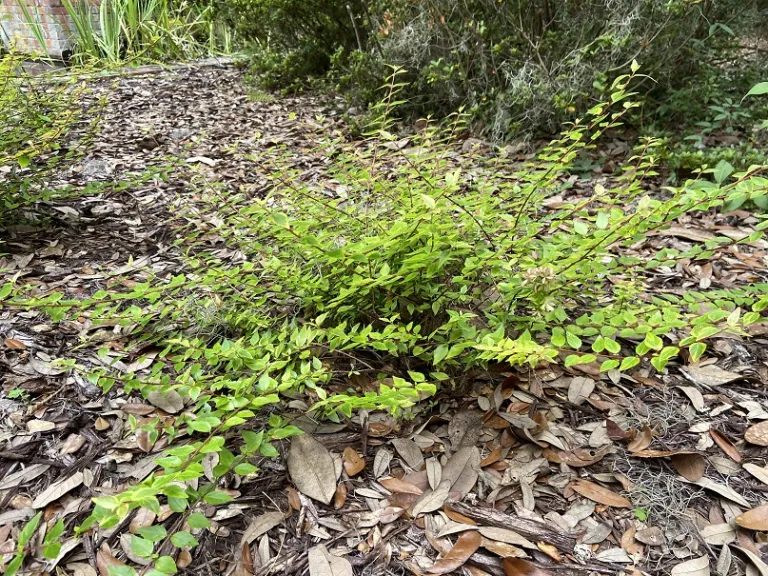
x,y
410,452
494,456
466,545
550,550
244,566
40,426
434,473
660,453
616,432
601,495
725,445
758,472
689,466
57,490
14,344
72,444
293,498
143,518
580,389
722,489
642,440
502,548
261,525
718,534
399,486
711,375
171,402
653,536
505,535
322,563
757,434
579,457
353,463
755,519
695,567
432,501
81,569
695,397
104,560
101,424
456,517
381,462
184,559
311,468
520,567
340,497
756,561
463,469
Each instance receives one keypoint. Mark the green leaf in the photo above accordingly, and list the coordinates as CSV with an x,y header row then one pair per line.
x,y
653,342
166,565
758,89
245,468
24,161
6,290
280,219
197,521
121,571
440,353
722,171
182,539
573,340
29,530
217,497
696,351
629,363
141,547
153,533
429,202
54,533
51,551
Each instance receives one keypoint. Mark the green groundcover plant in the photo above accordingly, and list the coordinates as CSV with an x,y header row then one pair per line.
x,y
422,266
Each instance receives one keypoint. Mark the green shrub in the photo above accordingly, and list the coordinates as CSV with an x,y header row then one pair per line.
x,y
421,266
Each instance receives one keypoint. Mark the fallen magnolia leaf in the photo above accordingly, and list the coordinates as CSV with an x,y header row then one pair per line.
x,y
311,468
57,490
72,444
614,555
466,545
340,496
261,525
653,536
293,498
502,548
580,389
353,464
601,495
757,434
434,473
432,501
463,469
725,445
695,567
520,567
755,519
689,466
322,563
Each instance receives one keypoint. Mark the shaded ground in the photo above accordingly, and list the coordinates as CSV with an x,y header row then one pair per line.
x,y
577,472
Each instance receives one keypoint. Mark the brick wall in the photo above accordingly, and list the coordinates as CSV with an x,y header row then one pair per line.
x,y
54,22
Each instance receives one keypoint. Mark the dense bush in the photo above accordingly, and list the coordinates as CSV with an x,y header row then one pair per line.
x,y
516,65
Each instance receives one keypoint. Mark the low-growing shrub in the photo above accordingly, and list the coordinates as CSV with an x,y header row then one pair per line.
x,y
406,267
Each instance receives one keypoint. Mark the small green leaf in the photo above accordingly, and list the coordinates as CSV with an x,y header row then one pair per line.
x,y
758,89
280,219
722,171
629,363
182,539
6,290
245,468
440,353
696,351
153,533
24,161
217,497
166,565
51,551
141,547
197,521
29,530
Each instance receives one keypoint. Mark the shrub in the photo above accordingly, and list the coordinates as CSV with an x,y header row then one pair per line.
x,y
423,265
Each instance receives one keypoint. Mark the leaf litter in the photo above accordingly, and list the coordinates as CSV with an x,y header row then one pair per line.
x,y
560,471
